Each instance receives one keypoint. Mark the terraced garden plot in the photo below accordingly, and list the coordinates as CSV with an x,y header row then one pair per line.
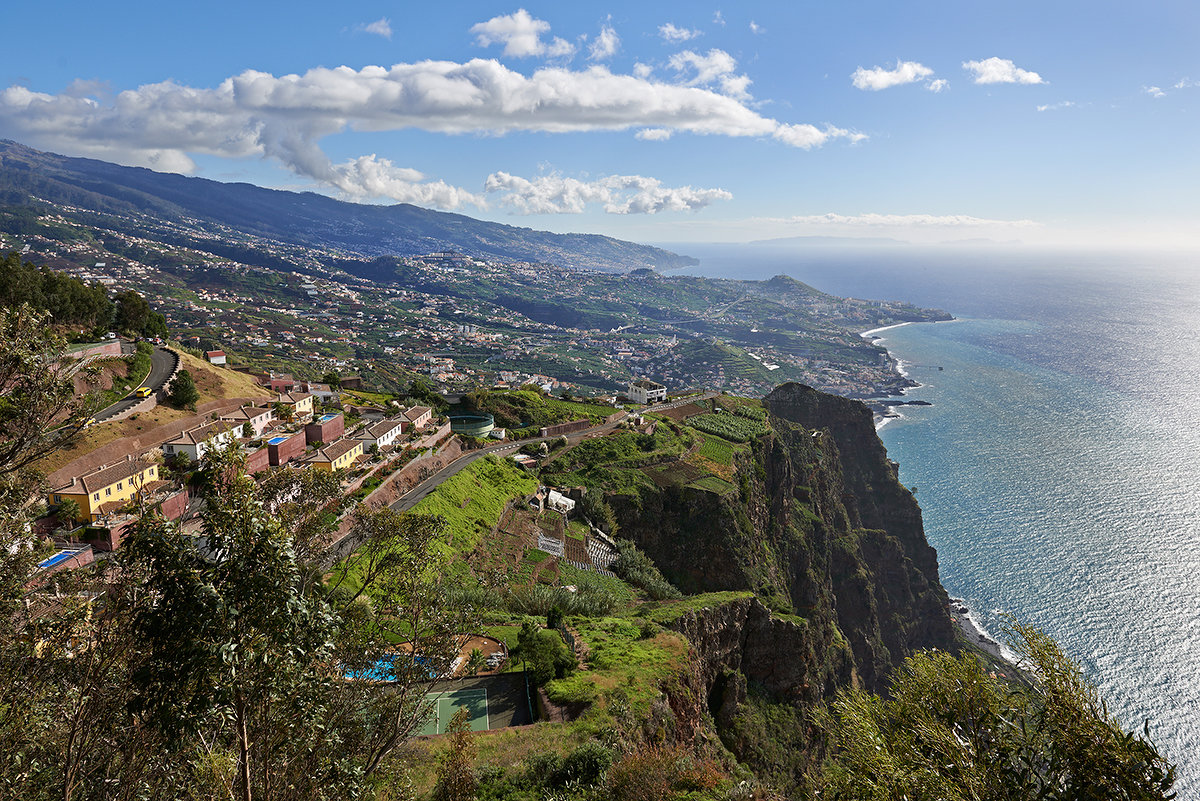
x,y
714,484
504,551
680,413
717,450
733,427
673,474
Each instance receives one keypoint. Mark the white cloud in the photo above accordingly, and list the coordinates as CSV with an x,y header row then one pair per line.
x,y
642,71
380,27
716,67
719,19
1056,106
618,194
1187,83
256,114
521,35
941,84
653,134
368,177
755,28
1000,70
906,221
1154,91
605,45
809,136
878,78
674,34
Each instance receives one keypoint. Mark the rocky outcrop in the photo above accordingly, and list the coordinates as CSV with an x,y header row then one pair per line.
x,y
821,529
788,658
887,590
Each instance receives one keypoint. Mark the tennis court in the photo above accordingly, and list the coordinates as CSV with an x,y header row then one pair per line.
x,y
444,704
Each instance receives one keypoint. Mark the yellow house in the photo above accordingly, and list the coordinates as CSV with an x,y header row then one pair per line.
x,y
301,403
339,455
106,488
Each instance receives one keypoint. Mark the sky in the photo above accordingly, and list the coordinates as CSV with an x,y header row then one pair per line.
x,y
1038,122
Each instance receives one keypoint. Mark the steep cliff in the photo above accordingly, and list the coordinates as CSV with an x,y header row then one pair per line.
x,y
821,528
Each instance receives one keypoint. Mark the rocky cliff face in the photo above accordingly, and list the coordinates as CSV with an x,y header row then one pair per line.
x,y
833,547
822,530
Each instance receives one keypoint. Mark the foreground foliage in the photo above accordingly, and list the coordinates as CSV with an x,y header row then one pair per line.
x,y
953,730
197,667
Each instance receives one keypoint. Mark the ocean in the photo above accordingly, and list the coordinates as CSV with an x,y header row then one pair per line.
x,y
1057,467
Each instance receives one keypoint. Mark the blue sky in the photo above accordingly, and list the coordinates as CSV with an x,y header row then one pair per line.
x,y
1062,122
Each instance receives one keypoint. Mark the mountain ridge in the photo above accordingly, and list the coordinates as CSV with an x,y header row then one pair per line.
x,y
300,218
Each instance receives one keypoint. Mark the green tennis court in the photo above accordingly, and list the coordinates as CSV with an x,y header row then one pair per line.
x,y
443,705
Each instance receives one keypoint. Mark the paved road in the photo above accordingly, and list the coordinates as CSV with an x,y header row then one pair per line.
x,y
162,362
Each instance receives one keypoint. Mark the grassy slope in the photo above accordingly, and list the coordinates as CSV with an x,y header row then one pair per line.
x,y
471,503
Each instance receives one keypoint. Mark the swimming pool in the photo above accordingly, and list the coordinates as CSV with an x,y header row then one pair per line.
x,y
61,556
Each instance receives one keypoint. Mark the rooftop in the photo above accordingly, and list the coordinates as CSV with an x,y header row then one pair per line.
x,y
202,433
106,476
337,450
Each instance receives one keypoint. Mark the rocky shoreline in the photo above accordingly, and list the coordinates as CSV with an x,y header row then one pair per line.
x,y
882,402
960,614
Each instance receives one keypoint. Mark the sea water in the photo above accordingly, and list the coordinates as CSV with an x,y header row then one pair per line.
x,y
1057,467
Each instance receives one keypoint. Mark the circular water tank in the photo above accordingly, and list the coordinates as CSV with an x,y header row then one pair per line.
x,y
472,425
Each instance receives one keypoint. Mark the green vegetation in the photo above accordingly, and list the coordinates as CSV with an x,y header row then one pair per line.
x,y
953,730
713,484
636,568
543,653
182,392
671,610
468,505
71,303
592,599
472,501
733,427
135,317
718,450
519,409
622,659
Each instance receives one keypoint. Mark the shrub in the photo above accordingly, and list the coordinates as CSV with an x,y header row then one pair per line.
x,y
635,567
587,764
543,653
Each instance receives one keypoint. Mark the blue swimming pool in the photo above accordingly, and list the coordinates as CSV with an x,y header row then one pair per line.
x,y
61,556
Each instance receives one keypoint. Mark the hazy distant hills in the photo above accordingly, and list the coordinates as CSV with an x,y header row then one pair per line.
x,y
299,218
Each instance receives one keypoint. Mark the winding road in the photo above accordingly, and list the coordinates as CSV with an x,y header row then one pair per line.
x,y
162,362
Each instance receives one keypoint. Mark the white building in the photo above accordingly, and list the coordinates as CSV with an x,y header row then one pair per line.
x,y
418,416
559,502
258,417
383,433
646,391
200,440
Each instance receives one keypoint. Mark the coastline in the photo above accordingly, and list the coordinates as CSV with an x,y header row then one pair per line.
x,y
975,632
971,629
884,414
872,332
